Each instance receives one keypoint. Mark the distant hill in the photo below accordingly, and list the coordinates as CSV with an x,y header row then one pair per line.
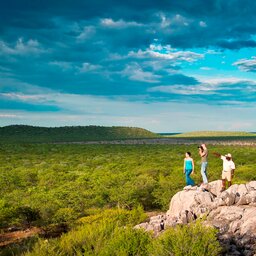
x,y
31,134
211,134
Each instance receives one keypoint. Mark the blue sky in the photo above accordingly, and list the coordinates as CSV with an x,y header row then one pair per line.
x,y
167,66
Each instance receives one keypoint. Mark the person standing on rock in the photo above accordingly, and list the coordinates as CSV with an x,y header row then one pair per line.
x,y
203,152
188,169
228,169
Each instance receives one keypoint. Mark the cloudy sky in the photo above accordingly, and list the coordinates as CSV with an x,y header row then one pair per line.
x,y
167,66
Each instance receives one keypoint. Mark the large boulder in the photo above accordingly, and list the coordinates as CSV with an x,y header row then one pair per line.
x,y
251,185
192,202
232,212
215,187
155,224
248,221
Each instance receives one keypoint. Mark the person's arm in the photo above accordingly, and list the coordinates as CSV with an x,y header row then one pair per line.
x,y
216,154
184,166
233,167
193,165
203,152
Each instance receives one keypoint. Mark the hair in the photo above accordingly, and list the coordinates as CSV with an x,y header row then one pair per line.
x,y
188,153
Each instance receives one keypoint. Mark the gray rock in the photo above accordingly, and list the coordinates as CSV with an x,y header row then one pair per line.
x,y
215,187
242,200
251,185
232,212
251,197
242,189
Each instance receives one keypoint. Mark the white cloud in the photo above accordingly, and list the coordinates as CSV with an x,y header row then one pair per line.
x,y
226,88
85,68
31,98
157,116
210,51
21,47
3,115
224,80
246,64
206,68
87,33
61,64
202,24
26,88
167,53
88,67
175,22
165,22
135,72
203,89
107,22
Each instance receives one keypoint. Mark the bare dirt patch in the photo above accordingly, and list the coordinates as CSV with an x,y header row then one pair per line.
x,y
17,236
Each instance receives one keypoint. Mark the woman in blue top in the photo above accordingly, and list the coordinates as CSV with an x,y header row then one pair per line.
x,y
188,168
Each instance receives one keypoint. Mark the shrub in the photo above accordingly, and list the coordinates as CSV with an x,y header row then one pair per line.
x,y
65,215
191,240
97,234
127,241
27,214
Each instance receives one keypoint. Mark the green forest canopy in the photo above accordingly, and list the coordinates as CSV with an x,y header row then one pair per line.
x,y
26,133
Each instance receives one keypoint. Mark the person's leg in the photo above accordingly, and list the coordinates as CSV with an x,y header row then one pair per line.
x,y
223,185
186,177
203,172
229,177
223,179
189,180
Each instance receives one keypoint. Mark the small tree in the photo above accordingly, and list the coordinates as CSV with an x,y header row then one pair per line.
x,y
27,215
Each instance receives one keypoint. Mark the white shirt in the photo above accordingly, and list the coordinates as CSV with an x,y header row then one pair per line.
x,y
227,165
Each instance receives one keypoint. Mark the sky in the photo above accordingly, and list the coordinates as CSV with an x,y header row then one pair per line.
x,y
166,66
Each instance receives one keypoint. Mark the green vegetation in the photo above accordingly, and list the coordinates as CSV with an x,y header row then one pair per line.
x,y
107,233
189,240
213,134
52,184
113,235
32,134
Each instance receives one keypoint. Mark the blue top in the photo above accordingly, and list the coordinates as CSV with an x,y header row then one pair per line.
x,y
188,164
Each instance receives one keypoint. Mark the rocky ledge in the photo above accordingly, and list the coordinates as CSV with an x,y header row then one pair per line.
x,y
232,212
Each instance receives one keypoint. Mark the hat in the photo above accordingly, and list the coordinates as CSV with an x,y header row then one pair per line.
x,y
228,155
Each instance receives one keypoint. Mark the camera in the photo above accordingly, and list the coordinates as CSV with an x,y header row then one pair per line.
x,y
201,148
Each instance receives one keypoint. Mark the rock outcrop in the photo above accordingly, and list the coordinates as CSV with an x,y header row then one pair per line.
x,y
232,212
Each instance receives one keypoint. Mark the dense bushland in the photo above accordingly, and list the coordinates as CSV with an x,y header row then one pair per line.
x,y
32,134
46,184
111,233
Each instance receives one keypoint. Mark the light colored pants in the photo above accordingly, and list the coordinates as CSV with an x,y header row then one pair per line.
x,y
226,175
203,172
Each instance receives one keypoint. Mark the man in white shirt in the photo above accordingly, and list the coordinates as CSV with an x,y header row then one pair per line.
x,y
228,169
